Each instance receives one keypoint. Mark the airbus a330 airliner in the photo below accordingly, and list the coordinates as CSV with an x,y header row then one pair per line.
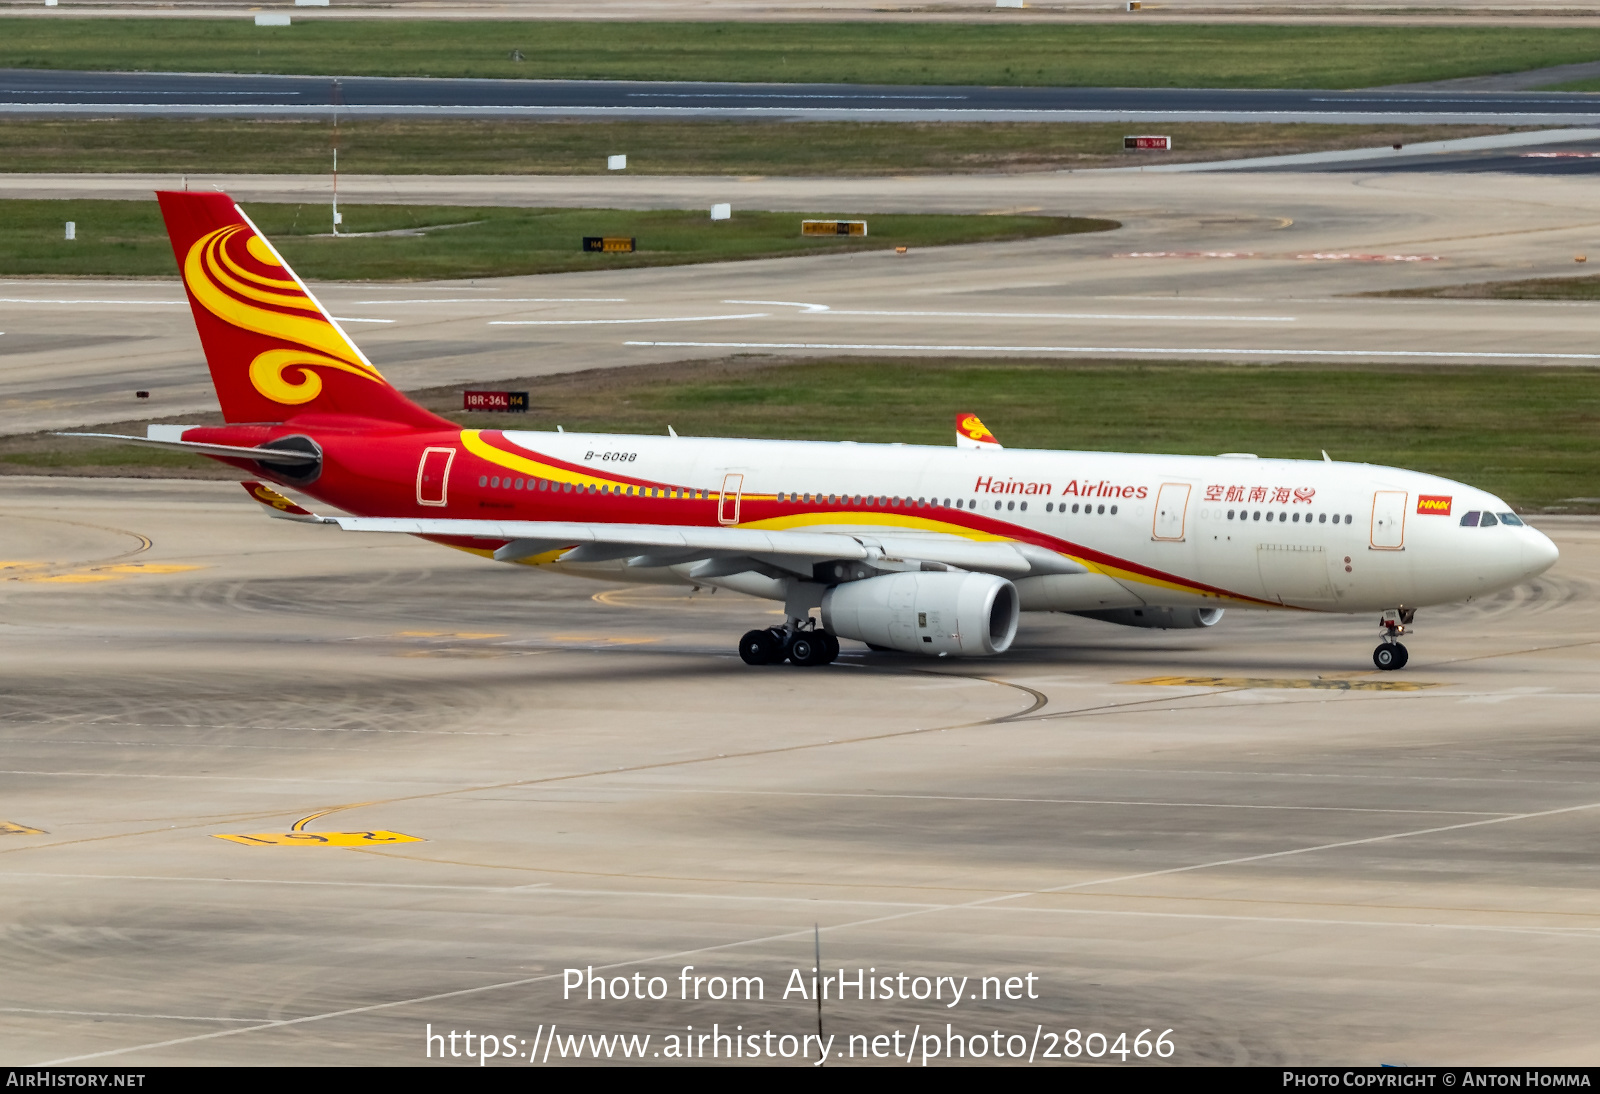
x,y
925,550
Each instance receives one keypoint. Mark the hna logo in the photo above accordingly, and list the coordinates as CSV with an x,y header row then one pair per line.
x,y
1434,504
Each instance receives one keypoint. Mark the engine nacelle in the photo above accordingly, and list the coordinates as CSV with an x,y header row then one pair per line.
x,y
1175,619
960,614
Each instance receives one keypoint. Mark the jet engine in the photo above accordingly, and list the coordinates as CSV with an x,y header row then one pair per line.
x,y
1176,619
935,613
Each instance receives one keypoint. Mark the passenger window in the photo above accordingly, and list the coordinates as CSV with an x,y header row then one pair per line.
x,y
1322,518
1230,514
1100,511
1510,518
1113,510
1024,507
483,480
1488,521
1258,514
1470,520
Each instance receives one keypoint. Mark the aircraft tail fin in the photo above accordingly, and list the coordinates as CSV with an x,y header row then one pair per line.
x,y
972,433
273,350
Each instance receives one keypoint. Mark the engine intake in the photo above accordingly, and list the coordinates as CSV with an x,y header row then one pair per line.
x,y
1176,619
960,614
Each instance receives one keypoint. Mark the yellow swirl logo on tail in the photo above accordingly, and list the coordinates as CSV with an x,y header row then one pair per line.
x,y
250,300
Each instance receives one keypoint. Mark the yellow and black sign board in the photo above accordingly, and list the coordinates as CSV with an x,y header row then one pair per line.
x,y
9,829
833,227
610,244
1256,682
322,839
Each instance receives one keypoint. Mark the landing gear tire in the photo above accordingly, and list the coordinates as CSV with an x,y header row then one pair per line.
x,y
810,649
760,648
833,647
1390,656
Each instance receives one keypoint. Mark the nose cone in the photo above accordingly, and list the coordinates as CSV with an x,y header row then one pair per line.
x,y
1538,553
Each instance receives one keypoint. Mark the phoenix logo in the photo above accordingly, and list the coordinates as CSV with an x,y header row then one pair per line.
x,y
237,278
973,427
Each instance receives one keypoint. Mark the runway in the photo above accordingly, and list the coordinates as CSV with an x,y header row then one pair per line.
x,y
26,92
1235,267
1278,865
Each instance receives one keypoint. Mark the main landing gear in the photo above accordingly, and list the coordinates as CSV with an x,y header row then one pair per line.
x,y
1390,654
777,644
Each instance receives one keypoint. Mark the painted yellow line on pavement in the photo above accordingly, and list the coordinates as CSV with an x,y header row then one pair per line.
x,y
9,829
1272,682
319,839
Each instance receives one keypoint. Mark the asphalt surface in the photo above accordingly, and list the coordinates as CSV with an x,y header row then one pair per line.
x,y
1275,864
26,91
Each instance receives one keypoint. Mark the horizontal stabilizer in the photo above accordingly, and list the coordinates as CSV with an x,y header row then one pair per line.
x,y
272,455
277,505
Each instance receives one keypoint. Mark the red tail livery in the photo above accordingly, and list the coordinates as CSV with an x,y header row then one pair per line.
x,y
274,352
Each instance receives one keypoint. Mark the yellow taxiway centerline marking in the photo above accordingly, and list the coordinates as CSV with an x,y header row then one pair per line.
x,y
1263,682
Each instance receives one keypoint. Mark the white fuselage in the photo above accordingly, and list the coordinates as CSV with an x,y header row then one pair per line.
x,y
1153,530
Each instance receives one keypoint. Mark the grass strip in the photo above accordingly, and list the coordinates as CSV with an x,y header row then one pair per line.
x,y
1526,434
127,238
1534,288
426,147
1014,53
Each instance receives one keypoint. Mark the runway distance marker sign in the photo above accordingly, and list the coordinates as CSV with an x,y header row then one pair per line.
x,y
320,839
1260,682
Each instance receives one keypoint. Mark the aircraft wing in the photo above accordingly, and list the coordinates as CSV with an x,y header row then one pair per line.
x,y
673,544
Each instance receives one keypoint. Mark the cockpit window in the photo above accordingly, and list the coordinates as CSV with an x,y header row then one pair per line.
x,y
1470,520
1488,520
1510,518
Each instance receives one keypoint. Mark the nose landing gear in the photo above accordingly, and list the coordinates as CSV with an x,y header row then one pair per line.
x,y
1390,654
799,647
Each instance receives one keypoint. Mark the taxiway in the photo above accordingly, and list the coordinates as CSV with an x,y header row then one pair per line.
x,y
1226,833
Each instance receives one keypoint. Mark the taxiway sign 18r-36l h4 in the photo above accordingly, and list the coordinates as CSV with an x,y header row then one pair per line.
x,y
926,550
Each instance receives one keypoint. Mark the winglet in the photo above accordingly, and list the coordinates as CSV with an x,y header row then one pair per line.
x,y
279,506
972,433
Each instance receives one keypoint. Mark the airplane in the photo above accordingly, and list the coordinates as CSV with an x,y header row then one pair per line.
x,y
912,548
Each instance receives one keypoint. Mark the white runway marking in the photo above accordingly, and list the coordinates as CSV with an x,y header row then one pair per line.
x,y
505,300
610,322
26,300
347,319
1165,351
785,304
818,309
1066,801
128,1014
